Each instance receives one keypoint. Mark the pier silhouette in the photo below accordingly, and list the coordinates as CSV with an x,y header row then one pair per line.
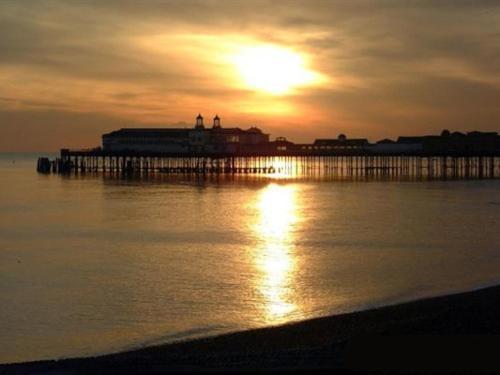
x,y
232,150
431,166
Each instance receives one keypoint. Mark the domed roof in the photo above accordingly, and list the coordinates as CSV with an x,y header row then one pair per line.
x,y
199,116
254,129
216,117
445,133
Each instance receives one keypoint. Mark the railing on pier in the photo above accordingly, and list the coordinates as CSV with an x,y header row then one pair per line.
x,y
282,163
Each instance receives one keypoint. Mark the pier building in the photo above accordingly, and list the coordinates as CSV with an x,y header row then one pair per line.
x,y
198,139
341,143
388,146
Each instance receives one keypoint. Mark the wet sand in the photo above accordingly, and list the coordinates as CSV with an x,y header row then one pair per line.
x,y
459,332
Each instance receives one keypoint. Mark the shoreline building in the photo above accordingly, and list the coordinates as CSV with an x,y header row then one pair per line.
x,y
198,139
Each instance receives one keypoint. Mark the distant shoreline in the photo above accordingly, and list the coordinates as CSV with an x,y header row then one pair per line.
x,y
407,336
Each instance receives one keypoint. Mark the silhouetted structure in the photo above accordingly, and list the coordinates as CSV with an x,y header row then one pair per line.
x,y
235,150
342,143
234,140
196,140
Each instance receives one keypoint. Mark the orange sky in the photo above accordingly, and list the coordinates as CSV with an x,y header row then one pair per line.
x,y
70,71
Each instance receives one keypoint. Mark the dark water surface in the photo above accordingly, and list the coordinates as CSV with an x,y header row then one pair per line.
x,y
96,264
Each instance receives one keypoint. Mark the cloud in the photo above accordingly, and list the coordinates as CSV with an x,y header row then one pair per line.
x,y
408,67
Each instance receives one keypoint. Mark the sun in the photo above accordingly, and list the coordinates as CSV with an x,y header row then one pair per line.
x,y
272,69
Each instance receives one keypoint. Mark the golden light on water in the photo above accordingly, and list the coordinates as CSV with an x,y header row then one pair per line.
x,y
272,69
275,257
284,169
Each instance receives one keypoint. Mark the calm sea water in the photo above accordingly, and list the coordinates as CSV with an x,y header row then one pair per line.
x,y
96,264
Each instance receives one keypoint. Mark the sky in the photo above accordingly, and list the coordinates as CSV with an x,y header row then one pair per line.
x,y
73,70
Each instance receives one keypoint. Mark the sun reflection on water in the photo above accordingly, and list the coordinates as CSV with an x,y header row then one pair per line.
x,y
275,257
284,169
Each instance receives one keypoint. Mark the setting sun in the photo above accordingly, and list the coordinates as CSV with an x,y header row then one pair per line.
x,y
273,69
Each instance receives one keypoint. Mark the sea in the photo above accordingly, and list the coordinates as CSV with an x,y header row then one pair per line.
x,y
98,263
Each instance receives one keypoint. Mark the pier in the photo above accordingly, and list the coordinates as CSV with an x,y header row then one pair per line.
x,y
292,163
233,150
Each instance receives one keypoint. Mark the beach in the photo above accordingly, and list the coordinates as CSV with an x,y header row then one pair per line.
x,y
450,333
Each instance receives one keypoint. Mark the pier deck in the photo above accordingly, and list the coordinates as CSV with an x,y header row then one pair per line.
x,y
292,162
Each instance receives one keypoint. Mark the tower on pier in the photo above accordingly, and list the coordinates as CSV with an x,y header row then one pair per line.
x,y
199,122
216,122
